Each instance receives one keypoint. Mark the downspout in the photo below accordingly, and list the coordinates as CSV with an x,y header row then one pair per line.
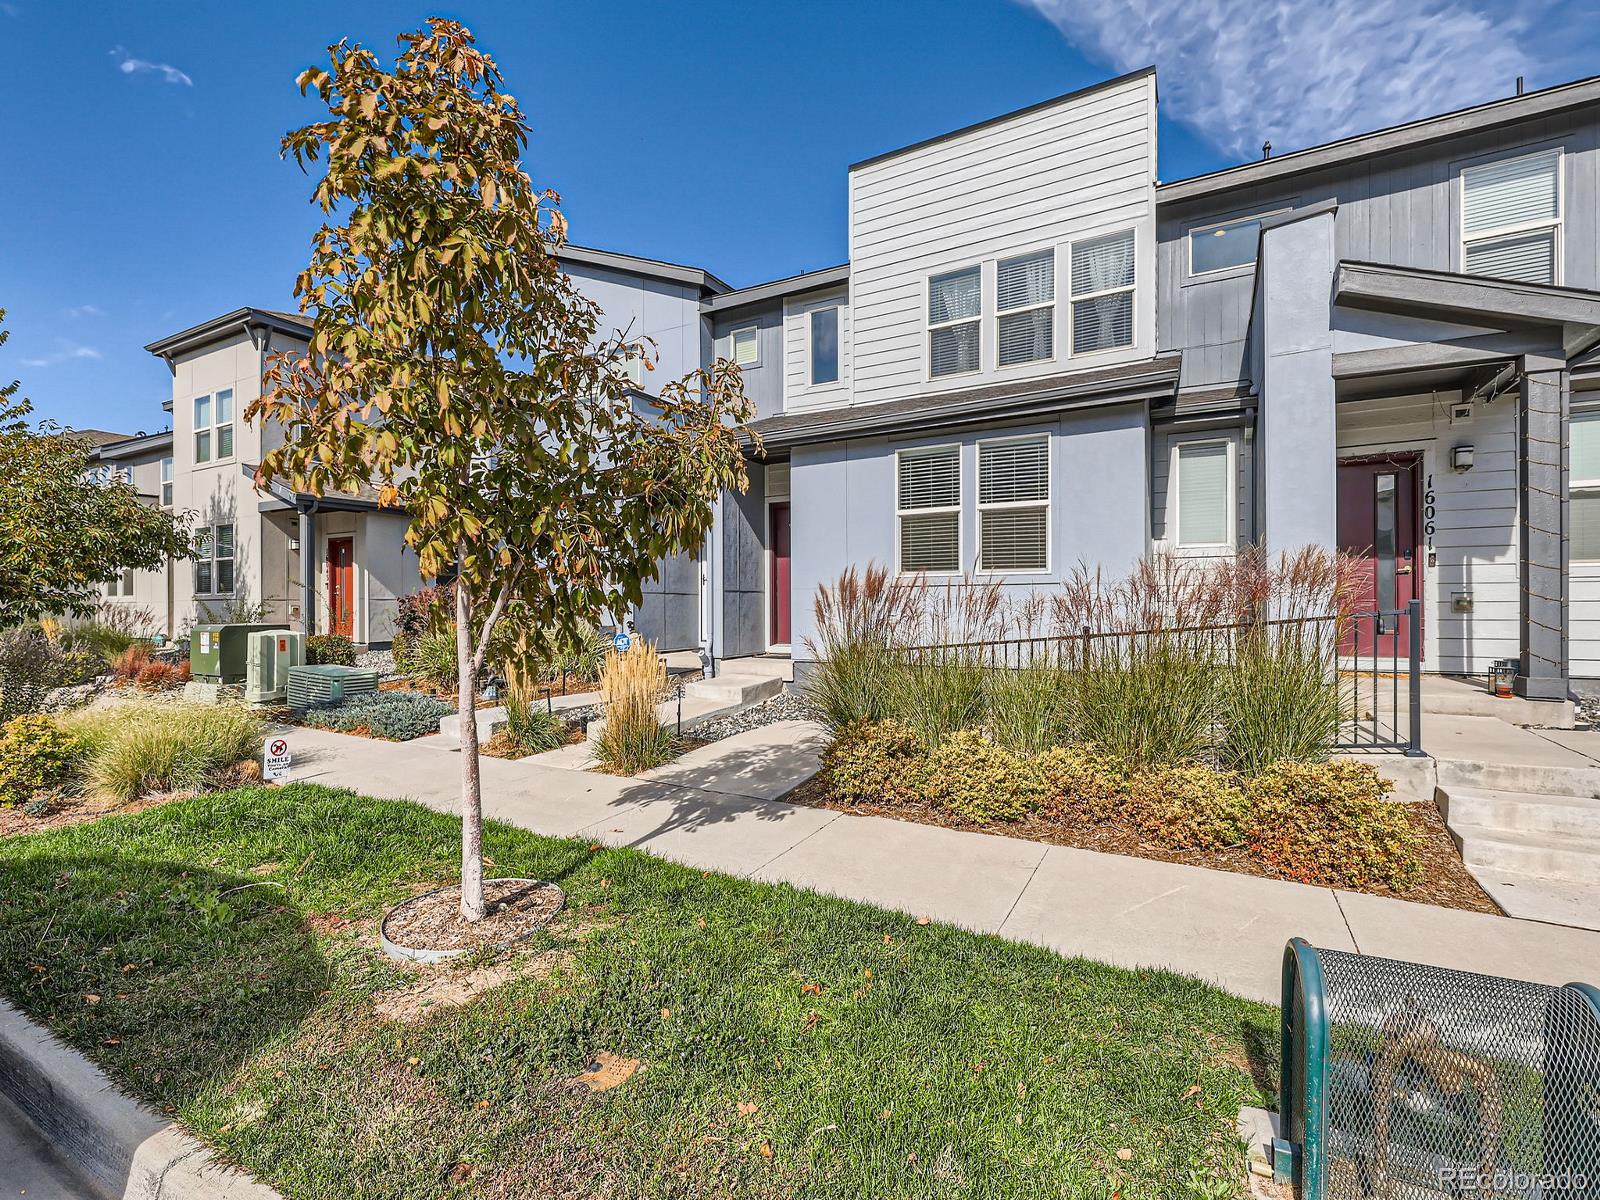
x,y
307,508
708,608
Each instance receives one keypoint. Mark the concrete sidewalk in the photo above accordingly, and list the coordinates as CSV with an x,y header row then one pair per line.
x,y
717,809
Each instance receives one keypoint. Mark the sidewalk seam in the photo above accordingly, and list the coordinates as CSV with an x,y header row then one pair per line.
x,y
1345,917
751,874
1021,892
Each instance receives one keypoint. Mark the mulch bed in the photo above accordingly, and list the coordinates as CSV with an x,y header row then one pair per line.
x,y
1446,882
516,909
503,745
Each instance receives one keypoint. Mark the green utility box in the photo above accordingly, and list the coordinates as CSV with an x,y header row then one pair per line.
x,y
320,686
221,653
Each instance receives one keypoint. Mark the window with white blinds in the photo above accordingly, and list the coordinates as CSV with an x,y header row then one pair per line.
x,y
746,346
1025,293
1585,475
1203,487
1014,504
1102,292
1511,217
955,311
928,509
824,346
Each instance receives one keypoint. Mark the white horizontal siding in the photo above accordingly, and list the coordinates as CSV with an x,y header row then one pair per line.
x,y
797,389
1039,180
1475,537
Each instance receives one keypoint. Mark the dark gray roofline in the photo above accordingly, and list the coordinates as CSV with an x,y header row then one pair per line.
x,y
237,321
1473,298
132,447
1006,116
632,263
809,281
1149,379
1383,141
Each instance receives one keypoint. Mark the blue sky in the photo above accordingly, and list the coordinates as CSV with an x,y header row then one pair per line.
x,y
142,191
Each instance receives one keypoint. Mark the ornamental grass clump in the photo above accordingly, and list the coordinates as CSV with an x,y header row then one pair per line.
x,y
136,748
863,620
532,728
633,682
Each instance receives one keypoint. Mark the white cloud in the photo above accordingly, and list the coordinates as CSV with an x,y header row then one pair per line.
x,y
66,351
129,65
85,310
1299,72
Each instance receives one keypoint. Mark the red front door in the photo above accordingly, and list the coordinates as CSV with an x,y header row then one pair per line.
x,y
1378,526
778,589
341,586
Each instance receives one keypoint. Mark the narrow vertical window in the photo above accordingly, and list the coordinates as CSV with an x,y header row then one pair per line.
x,y
166,482
1025,292
202,562
1585,470
955,311
928,509
824,345
1102,292
202,429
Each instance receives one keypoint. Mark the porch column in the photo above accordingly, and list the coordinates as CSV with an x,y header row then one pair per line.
x,y
1296,447
308,567
1542,475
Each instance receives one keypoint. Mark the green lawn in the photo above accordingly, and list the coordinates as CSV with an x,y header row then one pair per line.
x,y
931,1062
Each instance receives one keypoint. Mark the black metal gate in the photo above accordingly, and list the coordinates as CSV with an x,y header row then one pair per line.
x,y
1381,685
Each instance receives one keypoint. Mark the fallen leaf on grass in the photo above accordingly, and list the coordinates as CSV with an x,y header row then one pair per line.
x,y
606,1072
666,1014
90,998
811,1021
482,1104
811,989
747,1109
766,1150
923,920
1124,1154
461,1172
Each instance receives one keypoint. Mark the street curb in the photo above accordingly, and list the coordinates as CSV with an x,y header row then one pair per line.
x,y
120,1147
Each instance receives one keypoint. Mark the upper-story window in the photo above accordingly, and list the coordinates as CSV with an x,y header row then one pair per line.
x,y
824,345
1102,292
213,561
1511,218
1225,245
928,508
955,314
1202,483
1025,293
1014,504
746,346
1585,466
213,426
166,482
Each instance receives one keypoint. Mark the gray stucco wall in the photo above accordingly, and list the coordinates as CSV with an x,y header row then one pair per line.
x,y
843,496
1400,208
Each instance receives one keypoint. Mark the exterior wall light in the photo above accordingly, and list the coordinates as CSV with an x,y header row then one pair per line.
x,y
1461,458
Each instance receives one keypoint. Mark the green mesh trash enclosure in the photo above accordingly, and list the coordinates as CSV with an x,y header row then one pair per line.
x,y
1409,1082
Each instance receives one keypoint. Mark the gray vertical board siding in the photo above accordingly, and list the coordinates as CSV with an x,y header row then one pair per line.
x,y
1400,208
1163,439
763,383
1542,479
744,569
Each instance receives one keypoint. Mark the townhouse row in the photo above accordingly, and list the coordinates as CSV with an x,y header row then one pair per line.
x,y
1039,355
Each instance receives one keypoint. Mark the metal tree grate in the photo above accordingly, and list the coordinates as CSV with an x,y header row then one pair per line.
x,y
1448,1083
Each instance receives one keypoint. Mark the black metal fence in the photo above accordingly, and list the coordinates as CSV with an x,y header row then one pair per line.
x,y
1375,657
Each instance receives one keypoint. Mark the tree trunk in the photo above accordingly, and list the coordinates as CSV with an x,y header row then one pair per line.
x,y
471,785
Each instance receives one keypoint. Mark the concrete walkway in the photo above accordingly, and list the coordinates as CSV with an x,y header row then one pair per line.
x,y
717,809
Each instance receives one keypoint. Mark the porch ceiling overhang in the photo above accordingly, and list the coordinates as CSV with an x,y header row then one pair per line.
x,y
285,499
1442,295
1148,379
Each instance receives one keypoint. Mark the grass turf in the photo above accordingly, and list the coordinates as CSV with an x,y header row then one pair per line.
x,y
218,956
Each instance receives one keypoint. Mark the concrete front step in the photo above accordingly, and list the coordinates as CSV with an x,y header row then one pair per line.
x,y
1545,855
1523,812
735,689
1528,778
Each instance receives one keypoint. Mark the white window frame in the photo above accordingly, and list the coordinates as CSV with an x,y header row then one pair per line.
x,y
214,428
899,513
1132,289
1048,503
1555,226
1209,226
733,345
1588,486
838,345
1055,339
211,559
166,482
1230,492
930,325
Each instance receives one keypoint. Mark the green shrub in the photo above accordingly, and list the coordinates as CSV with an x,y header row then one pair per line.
x,y
633,739
131,749
872,762
579,655
1331,824
397,716
1027,709
333,649
1190,807
36,755
1280,698
537,730
971,777
32,665
432,657
1082,784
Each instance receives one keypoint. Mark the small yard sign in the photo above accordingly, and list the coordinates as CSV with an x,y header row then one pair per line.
x,y
275,759
622,641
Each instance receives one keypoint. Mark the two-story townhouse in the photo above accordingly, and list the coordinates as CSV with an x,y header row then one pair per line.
x,y
145,461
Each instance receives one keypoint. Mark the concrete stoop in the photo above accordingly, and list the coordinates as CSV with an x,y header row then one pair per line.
x,y
735,689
